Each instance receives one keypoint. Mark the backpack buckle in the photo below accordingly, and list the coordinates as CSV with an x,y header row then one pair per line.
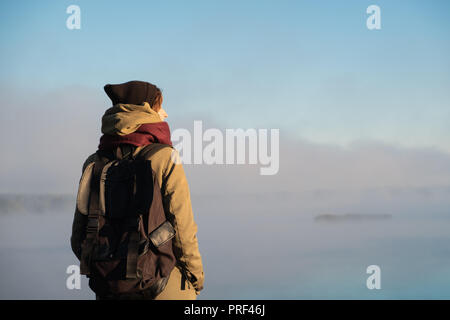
x,y
92,224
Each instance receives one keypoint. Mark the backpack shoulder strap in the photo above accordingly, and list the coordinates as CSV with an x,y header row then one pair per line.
x,y
93,216
123,151
84,187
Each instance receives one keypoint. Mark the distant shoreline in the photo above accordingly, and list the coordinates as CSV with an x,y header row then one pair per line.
x,y
35,203
351,217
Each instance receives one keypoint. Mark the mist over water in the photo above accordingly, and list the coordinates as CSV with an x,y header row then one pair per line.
x,y
268,246
310,231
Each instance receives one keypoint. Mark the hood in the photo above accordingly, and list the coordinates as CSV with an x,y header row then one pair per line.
x,y
122,119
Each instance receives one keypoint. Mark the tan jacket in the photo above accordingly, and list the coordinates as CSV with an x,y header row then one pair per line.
x,y
177,206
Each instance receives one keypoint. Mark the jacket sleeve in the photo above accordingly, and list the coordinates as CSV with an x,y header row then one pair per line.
x,y
78,232
177,205
79,222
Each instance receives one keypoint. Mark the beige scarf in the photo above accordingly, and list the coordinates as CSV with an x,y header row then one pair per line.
x,y
122,119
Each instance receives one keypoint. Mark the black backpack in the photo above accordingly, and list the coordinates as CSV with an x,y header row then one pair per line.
x,y
127,251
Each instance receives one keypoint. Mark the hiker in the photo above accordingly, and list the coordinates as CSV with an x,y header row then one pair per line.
x,y
134,127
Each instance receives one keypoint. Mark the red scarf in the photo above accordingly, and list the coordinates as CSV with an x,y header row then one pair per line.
x,y
148,133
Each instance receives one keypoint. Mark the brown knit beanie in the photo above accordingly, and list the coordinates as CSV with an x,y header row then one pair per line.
x,y
134,92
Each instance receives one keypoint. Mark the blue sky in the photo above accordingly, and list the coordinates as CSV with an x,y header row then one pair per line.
x,y
310,68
